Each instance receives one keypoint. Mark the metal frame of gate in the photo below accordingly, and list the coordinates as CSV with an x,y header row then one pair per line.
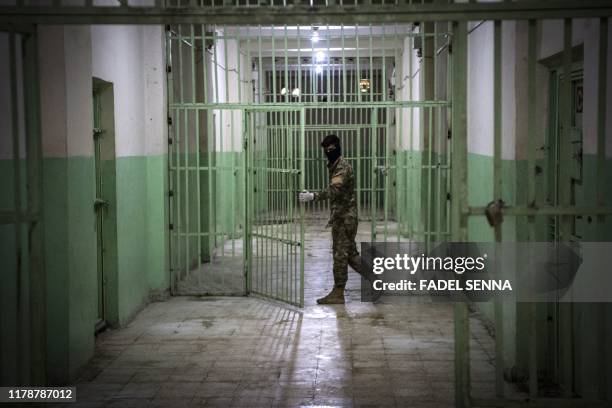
x,y
22,361
274,159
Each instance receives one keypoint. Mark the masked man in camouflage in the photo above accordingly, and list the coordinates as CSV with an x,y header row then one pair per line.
x,y
343,218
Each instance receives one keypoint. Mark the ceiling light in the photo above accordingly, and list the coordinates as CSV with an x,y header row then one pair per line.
x,y
364,85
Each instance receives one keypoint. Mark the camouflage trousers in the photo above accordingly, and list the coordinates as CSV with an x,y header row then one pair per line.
x,y
344,250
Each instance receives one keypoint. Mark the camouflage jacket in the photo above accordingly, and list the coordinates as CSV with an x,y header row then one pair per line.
x,y
340,192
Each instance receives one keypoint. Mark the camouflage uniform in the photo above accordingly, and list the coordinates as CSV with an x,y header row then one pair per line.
x,y
343,219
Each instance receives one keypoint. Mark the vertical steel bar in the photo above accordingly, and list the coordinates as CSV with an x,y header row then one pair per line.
x,y
344,99
374,142
425,147
21,300
438,137
459,198
272,38
565,200
302,187
602,87
387,139
410,179
37,288
299,65
204,52
497,184
289,163
248,205
187,196
196,149
531,141
171,161
178,154
210,142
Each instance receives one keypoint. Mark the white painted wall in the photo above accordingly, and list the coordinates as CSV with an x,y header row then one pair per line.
x,y
131,57
480,90
409,84
65,90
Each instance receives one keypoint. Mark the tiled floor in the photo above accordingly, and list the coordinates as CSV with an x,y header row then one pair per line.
x,y
249,352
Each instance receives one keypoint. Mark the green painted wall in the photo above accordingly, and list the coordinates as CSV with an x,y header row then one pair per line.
x,y
141,232
157,220
70,254
70,248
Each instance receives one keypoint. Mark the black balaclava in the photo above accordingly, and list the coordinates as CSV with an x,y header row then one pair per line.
x,y
334,154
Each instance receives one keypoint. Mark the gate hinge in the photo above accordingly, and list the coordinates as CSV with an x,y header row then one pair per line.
x,y
450,47
169,140
171,226
171,193
449,133
170,120
167,27
448,196
168,68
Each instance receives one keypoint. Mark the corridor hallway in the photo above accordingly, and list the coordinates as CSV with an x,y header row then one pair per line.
x,y
250,352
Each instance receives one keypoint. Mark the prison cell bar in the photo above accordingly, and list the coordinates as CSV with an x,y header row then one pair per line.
x,y
497,195
30,275
533,208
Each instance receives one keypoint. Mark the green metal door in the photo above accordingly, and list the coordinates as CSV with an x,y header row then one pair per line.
x,y
275,163
100,205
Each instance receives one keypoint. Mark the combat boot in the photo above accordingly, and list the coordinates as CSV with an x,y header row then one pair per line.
x,y
335,297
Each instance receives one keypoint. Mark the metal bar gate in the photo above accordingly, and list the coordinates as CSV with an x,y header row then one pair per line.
x,y
248,107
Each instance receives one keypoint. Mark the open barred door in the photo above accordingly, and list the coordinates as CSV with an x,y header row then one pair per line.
x,y
274,255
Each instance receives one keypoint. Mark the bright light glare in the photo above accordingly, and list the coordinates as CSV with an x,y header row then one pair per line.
x,y
315,37
284,91
319,69
320,56
296,92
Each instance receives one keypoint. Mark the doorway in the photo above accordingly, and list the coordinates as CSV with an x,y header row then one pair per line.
x,y
105,203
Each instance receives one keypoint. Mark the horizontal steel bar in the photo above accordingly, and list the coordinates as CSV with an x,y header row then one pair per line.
x,y
284,241
273,107
201,234
530,211
195,168
277,170
305,14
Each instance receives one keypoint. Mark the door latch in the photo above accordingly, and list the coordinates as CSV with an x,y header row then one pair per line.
x,y
100,203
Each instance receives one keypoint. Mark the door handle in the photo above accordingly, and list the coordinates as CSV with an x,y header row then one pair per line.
x,y
100,203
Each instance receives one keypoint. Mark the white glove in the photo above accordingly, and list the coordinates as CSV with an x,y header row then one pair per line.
x,y
306,196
